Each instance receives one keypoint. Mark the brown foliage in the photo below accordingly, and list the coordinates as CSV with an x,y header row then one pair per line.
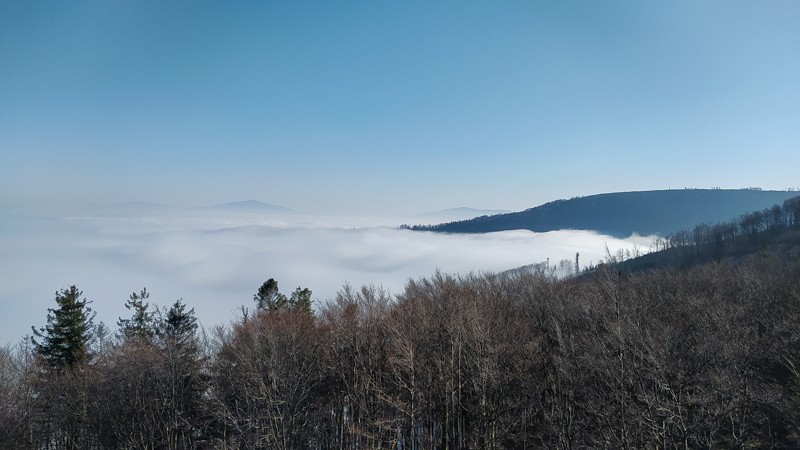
x,y
701,357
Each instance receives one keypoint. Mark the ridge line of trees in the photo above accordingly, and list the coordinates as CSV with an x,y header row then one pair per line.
x,y
750,225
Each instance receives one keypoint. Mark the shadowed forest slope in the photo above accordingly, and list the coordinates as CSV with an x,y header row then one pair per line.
x,y
774,230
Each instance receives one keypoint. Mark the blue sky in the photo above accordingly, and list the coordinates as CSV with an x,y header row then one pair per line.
x,y
373,110
380,107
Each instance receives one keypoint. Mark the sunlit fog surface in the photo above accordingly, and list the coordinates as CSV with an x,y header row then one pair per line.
x,y
216,261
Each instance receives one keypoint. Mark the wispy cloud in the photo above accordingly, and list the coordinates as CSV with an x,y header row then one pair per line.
x,y
215,261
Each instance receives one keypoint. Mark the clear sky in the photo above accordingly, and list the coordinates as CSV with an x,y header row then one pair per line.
x,y
379,106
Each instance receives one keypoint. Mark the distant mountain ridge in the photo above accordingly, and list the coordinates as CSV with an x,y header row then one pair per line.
x,y
621,214
252,205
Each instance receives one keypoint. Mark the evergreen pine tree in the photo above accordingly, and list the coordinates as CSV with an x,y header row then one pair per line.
x,y
178,328
140,325
301,300
64,341
183,383
269,298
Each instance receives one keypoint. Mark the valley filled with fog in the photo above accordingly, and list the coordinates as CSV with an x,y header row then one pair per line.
x,y
216,259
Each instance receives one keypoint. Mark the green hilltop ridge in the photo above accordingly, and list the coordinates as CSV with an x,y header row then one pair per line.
x,y
621,214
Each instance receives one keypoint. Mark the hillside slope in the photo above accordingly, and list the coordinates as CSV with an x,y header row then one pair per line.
x,y
750,235
623,213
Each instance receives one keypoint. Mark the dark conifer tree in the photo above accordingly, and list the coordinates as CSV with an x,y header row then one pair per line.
x,y
179,326
64,341
268,297
301,300
140,325
183,385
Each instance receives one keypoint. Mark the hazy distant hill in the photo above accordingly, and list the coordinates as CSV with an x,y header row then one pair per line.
x,y
252,206
623,213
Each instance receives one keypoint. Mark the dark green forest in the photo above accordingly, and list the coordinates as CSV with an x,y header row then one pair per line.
x,y
621,214
701,350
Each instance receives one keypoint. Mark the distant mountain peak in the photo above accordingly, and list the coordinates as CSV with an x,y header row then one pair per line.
x,y
251,205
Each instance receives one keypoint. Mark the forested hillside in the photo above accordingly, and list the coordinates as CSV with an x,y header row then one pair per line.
x,y
622,213
773,230
677,355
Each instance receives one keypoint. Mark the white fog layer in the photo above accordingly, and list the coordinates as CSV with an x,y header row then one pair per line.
x,y
216,261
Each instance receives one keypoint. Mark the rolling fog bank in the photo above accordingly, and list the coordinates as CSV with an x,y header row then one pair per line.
x,y
215,260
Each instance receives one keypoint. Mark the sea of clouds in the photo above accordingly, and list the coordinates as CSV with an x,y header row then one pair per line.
x,y
215,260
